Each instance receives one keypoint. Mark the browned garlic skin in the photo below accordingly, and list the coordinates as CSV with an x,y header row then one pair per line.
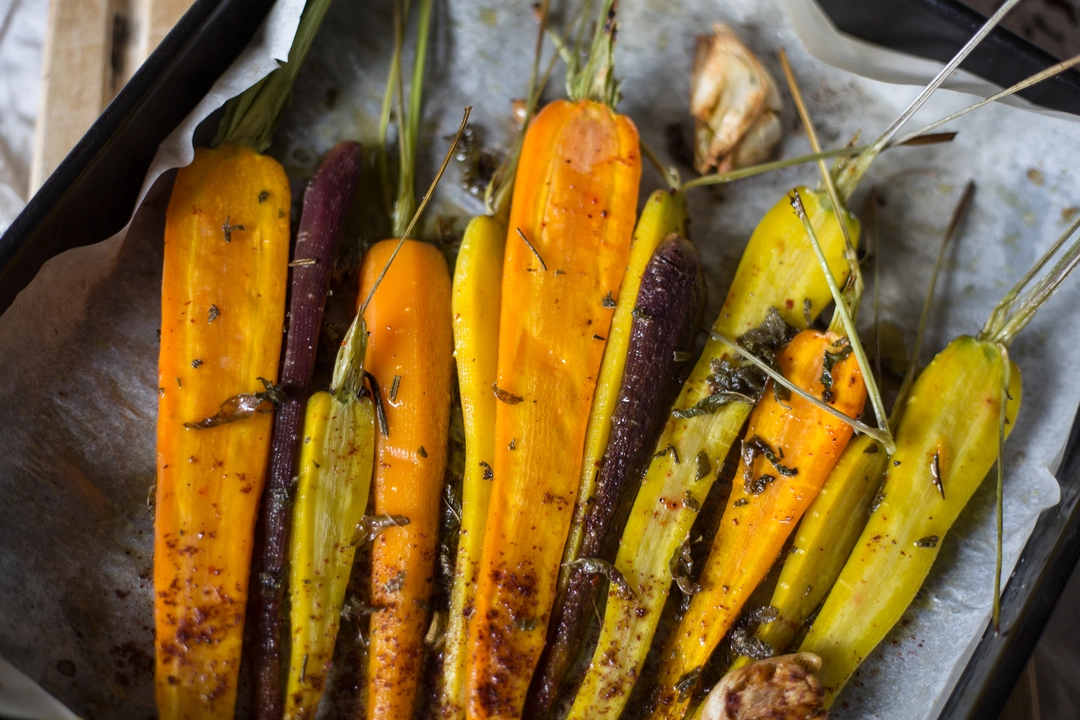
x,y
779,688
735,104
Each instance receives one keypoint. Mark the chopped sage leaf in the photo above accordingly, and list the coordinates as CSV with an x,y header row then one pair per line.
x,y
212,314
681,356
596,566
488,472
831,359
505,395
709,405
608,301
757,446
690,503
196,363
371,526
380,411
641,315
674,453
740,502
394,388
687,683
228,229
422,452
396,583
241,406
681,567
930,541
704,467
263,196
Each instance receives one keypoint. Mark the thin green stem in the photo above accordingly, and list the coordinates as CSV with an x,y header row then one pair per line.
x,y
419,210
852,174
409,123
387,107
884,438
1032,300
839,209
669,174
1004,308
849,325
909,377
1001,486
1034,79
251,118
596,80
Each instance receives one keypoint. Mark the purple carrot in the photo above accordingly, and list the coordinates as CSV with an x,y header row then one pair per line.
x,y
326,207
666,319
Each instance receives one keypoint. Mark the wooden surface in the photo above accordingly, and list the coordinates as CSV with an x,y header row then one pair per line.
x,y
92,47
1023,704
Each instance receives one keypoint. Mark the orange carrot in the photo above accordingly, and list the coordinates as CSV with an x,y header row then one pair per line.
x,y
410,349
222,311
789,451
569,234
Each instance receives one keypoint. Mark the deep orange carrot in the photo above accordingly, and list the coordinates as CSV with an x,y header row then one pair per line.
x,y
571,221
790,448
222,310
411,340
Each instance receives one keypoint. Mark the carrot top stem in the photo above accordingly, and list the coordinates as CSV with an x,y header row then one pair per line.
x,y
252,117
1000,501
854,287
348,378
596,79
1023,84
883,434
409,123
853,173
419,210
1014,311
909,376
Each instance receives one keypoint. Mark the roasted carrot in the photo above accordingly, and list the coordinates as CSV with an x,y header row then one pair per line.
x,y
790,449
779,278
477,292
836,517
832,525
326,208
952,428
410,349
223,306
476,299
570,226
335,469
666,316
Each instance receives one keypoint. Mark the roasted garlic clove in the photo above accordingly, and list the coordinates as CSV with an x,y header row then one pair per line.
x,y
735,104
779,688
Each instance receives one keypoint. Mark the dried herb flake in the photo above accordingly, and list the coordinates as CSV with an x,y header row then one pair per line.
x,y
488,472
505,395
596,566
930,541
241,406
704,467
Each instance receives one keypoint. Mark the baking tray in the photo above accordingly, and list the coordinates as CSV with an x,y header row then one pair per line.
x,y
91,196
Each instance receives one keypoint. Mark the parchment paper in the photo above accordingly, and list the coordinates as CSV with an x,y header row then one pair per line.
x,y
78,351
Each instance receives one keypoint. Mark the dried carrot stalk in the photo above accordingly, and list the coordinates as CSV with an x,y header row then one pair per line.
x,y
410,349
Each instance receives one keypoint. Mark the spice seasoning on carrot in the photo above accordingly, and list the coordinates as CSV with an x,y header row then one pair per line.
x,y
223,304
575,198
